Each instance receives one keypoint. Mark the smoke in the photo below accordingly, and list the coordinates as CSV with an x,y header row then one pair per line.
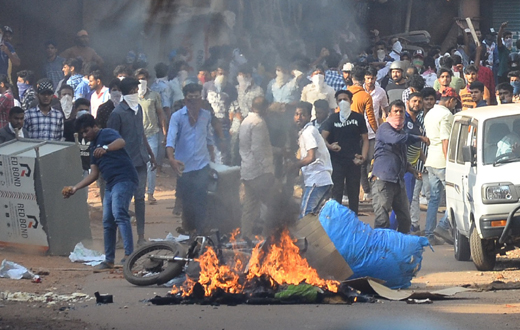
x,y
266,31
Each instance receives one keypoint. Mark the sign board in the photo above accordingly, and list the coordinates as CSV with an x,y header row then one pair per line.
x,y
20,214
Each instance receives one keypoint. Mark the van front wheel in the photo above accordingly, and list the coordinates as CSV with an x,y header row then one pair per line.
x,y
482,251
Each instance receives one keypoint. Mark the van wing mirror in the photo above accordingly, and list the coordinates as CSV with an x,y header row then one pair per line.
x,y
468,154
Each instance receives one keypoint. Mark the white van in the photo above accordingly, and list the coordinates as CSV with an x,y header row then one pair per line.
x,y
483,183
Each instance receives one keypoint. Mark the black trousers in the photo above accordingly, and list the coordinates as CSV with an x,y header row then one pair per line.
x,y
346,174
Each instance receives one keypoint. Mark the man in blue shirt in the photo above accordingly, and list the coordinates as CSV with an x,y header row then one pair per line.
x,y
476,90
109,157
189,148
7,52
390,166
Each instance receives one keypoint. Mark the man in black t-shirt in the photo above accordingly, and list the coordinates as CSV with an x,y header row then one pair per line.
x,y
346,136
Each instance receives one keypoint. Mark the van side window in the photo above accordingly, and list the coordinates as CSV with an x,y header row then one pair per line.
x,y
465,133
453,142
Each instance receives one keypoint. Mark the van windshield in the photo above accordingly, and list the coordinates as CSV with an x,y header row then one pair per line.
x,y
501,136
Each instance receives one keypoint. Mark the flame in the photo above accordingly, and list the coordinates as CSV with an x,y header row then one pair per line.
x,y
280,262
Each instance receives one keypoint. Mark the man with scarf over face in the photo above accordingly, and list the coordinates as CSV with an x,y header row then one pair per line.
x,y
189,148
390,166
346,136
127,120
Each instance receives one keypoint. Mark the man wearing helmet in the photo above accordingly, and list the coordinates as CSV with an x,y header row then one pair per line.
x,y
397,85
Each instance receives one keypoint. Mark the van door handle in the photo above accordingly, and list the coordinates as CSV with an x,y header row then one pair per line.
x,y
457,189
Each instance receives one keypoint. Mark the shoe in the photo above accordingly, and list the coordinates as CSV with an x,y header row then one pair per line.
x,y
445,234
423,200
104,267
344,200
124,260
141,242
415,228
151,199
367,198
435,241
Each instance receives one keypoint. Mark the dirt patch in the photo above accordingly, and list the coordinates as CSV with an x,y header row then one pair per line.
x,y
22,316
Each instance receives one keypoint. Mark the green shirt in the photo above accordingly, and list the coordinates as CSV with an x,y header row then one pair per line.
x,y
503,57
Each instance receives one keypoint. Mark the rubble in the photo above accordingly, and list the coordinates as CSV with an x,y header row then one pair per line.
x,y
49,297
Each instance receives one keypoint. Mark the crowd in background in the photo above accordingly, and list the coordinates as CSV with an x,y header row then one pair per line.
x,y
366,114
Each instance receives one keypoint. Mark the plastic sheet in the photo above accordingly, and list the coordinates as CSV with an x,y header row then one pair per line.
x,y
12,270
87,256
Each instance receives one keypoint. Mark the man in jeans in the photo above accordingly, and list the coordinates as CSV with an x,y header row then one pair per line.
x,y
390,166
189,147
127,120
154,122
108,156
429,94
314,161
438,122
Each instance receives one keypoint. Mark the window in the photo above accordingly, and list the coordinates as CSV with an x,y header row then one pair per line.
x,y
465,132
501,134
453,142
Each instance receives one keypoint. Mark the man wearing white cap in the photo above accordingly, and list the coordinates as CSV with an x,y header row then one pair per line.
x,y
81,49
346,70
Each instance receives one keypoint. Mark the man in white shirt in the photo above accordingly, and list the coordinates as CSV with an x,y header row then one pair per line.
x,y
314,161
257,169
100,94
319,90
438,122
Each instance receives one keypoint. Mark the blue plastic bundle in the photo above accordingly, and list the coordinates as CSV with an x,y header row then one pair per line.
x,y
380,253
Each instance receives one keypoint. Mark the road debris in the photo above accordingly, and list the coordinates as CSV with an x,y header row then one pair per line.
x,y
49,297
86,256
171,238
104,298
12,270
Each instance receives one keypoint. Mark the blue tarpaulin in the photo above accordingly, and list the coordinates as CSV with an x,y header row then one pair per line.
x,y
380,253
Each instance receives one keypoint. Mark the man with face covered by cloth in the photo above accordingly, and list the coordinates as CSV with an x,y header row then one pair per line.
x,y
390,166
189,148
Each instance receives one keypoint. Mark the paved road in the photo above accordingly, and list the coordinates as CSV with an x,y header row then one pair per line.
x,y
472,310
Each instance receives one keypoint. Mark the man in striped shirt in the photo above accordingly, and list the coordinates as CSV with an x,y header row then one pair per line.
x,y
429,97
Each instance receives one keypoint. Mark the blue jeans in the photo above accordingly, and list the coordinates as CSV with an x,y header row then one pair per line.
x,y
153,141
409,183
311,198
115,215
437,178
139,199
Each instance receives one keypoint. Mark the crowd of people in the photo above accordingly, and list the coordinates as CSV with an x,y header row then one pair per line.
x,y
380,122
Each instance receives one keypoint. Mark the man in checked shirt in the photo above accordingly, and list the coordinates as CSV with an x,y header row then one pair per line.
x,y
44,122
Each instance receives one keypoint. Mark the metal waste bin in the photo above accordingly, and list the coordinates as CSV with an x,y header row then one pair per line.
x,y
34,213
224,209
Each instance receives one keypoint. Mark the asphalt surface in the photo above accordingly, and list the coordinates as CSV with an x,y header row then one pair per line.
x,y
469,310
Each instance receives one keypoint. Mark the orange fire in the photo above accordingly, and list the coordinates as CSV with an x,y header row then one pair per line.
x,y
281,262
